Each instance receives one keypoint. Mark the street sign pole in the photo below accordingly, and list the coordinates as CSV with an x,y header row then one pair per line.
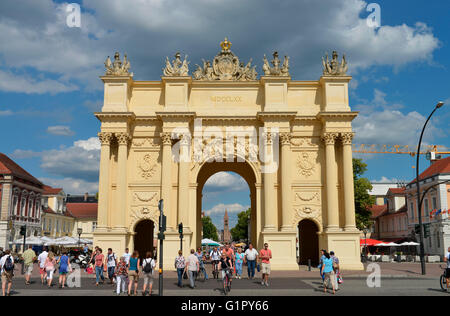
x,y
23,249
162,228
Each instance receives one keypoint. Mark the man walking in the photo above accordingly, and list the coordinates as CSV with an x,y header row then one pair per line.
x,y
251,255
336,269
111,262
28,260
127,256
265,255
7,271
192,267
41,259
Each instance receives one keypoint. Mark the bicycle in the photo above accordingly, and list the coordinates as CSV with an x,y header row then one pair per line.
x,y
215,270
227,281
443,279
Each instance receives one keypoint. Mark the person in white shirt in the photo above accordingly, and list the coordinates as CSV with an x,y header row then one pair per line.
x,y
215,256
192,267
111,262
7,274
251,255
127,256
148,266
41,259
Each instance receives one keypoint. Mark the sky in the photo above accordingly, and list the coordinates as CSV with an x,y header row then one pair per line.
x,y
50,86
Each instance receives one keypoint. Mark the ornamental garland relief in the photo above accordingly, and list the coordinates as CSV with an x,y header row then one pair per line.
x,y
310,197
151,142
306,164
143,213
145,197
307,212
147,166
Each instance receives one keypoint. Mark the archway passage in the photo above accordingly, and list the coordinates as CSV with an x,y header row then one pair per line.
x,y
308,242
143,238
244,170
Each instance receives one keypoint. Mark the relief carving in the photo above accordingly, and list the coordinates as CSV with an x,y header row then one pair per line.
x,y
311,197
307,212
147,167
143,213
145,197
306,164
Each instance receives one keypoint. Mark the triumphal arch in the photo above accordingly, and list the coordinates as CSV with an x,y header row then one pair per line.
x,y
290,140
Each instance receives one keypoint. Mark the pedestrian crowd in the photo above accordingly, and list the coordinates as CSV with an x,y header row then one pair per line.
x,y
329,271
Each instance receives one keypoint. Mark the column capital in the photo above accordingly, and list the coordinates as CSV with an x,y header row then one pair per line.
x,y
285,138
122,138
347,138
329,138
185,139
268,137
105,138
166,138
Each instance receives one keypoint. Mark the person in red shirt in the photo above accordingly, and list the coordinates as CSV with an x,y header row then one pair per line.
x,y
265,255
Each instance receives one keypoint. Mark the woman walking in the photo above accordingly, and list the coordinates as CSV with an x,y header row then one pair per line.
x,y
328,272
49,265
239,260
148,265
133,272
64,267
98,259
180,265
122,276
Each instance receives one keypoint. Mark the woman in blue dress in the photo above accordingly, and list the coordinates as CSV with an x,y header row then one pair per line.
x,y
64,267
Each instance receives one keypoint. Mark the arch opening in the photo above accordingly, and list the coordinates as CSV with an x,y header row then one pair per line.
x,y
308,242
144,237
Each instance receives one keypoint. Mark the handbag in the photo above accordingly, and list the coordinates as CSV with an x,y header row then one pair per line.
x,y
258,267
185,277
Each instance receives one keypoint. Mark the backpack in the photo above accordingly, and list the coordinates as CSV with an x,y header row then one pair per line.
x,y
9,264
148,266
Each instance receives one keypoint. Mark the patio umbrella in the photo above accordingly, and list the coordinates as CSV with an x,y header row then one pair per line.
x,y
65,241
47,241
369,242
32,240
411,243
209,242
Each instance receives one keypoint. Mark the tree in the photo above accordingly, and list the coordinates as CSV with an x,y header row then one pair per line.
x,y
363,201
240,231
209,230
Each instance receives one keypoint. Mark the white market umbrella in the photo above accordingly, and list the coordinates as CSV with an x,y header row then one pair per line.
x,y
86,241
210,242
390,244
48,241
411,243
32,240
65,241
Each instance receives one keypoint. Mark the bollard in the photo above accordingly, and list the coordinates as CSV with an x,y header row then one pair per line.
x,y
309,264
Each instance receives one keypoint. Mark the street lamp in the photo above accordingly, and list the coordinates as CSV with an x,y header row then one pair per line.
x,y
79,231
365,231
422,250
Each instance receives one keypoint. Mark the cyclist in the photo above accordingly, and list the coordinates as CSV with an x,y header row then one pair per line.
x,y
215,255
228,251
201,260
226,266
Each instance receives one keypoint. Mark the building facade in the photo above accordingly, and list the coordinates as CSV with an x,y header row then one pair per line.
x,y
56,219
435,189
20,202
85,215
290,140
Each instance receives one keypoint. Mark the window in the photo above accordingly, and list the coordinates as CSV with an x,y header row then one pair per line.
x,y
22,207
50,225
57,226
438,241
64,227
412,210
425,207
43,224
94,226
434,203
15,201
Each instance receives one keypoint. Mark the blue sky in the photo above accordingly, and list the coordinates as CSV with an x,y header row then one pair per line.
x,y
49,85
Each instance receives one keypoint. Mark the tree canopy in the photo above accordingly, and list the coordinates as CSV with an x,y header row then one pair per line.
x,y
240,231
209,230
363,201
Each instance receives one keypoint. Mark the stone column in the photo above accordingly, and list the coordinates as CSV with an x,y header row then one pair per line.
x,y
103,187
331,182
349,195
270,209
166,179
183,183
122,183
286,216
6,204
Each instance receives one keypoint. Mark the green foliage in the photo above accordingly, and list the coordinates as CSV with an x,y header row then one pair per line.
x,y
209,230
363,201
240,231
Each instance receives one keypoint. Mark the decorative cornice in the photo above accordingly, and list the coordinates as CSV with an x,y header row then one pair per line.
x,y
114,115
327,116
265,116
175,116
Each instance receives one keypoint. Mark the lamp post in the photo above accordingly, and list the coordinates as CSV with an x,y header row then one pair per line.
x,y
422,250
79,231
365,231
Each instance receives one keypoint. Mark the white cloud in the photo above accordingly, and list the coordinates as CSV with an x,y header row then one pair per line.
x,y
385,180
71,185
60,130
6,113
92,143
67,58
225,181
230,208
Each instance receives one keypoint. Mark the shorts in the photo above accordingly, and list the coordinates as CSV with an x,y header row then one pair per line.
x,y
329,278
63,270
265,268
42,271
29,268
447,273
7,276
133,275
148,278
